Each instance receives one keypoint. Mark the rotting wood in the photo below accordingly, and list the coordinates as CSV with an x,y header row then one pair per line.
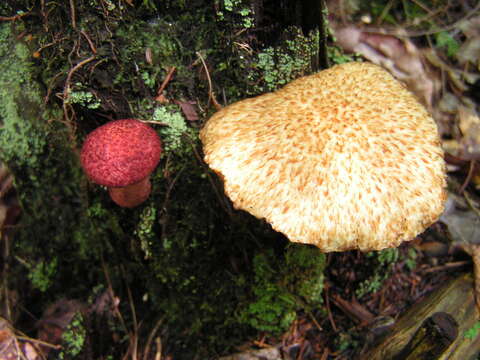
x,y
456,299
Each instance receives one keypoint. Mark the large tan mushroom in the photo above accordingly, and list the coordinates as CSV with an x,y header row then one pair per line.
x,y
343,159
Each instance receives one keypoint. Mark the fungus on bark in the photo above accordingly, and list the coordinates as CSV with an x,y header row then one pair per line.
x,y
346,158
121,155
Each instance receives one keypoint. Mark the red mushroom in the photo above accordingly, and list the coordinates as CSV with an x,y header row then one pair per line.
x,y
121,155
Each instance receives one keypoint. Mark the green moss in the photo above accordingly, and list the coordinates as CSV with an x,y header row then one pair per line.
x,y
473,332
38,149
42,274
284,285
276,66
144,230
381,263
73,338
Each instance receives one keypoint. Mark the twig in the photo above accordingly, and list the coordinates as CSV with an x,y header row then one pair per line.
x,y
165,82
221,199
211,95
167,199
469,176
447,266
66,92
72,14
90,42
134,341
37,341
446,27
150,338
112,296
470,203
158,355
329,311
15,17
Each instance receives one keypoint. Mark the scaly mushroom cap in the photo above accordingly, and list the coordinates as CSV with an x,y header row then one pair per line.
x,y
121,153
346,158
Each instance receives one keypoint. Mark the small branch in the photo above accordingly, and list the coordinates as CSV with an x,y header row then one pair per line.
x,y
469,176
165,82
72,14
66,91
14,18
90,42
211,95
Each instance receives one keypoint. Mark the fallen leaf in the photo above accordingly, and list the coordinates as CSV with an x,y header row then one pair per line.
x,y
188,109
469,124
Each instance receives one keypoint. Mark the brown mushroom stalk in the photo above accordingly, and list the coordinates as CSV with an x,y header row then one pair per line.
x,y
121,155
343,159
131,195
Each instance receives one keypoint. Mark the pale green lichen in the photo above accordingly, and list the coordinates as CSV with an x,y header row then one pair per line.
x,y
81,97
174,126
276,66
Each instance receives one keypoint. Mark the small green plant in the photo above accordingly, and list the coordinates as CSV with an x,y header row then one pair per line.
x,y
382,263
42,274
73,338
473,332
294,283
443,39
238,8
83,98
345,341
411,259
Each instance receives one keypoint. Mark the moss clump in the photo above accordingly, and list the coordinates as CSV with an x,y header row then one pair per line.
x,y
284,285
38,149
73,338
381,263
275,66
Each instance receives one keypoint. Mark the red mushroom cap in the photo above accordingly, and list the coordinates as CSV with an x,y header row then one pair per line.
x,y
121,153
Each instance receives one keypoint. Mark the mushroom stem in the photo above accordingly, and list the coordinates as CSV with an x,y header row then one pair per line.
x,y
131,195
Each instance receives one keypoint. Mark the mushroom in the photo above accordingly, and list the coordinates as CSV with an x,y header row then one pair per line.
x,y
121,155
343,159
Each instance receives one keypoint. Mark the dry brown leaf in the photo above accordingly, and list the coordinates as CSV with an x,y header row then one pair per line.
x,y
188,109
12,348
469,124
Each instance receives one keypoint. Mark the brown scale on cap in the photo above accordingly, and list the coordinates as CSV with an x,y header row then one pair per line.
x,y
121,155
343,159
